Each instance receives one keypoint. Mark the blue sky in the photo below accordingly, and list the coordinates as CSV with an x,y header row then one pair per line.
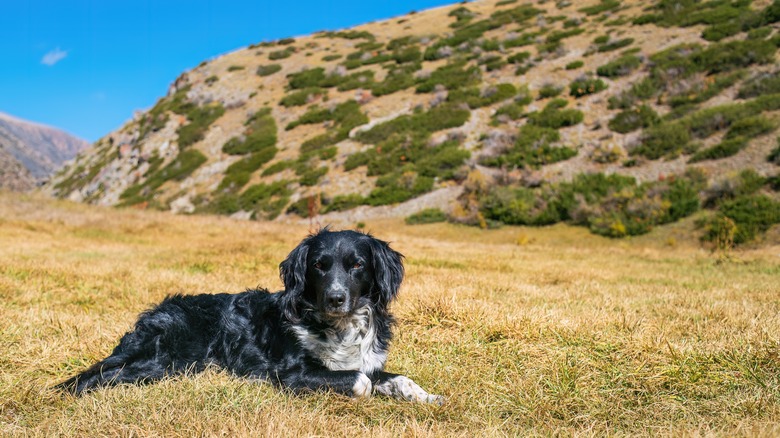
x,y
85,66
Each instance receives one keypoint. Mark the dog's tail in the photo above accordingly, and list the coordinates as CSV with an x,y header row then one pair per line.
x,y
107,372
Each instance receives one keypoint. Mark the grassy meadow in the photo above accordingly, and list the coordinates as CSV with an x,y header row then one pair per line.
x,y
526,331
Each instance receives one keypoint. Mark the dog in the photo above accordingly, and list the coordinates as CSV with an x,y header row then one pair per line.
x,y
329,329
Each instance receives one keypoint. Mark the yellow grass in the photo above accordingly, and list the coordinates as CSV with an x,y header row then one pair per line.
x,y
525,331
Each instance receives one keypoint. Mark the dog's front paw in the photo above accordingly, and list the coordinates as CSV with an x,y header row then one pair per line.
x,y
405,388
435,399
362,386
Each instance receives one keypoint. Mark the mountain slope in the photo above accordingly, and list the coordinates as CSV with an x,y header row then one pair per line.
x,y
494,111
32,152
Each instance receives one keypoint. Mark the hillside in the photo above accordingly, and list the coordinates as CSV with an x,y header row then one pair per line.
x,y
618,116
30,153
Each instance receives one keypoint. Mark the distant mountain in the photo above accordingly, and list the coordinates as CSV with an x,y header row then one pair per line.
x,y
30,152
615,115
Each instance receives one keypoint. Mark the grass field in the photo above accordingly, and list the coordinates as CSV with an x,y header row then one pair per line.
x,y
546,331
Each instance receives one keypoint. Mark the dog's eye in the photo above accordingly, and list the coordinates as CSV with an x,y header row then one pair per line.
x,y
318,265
357,265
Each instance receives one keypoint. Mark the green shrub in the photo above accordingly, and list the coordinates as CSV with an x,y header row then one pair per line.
x,y
278,167
574,65
312,176
615,45
549,90
435,119
774,156
300,97
533,148
665,139
239,173
725,148
396,80
519,58
451,77
622,66
266,201
554,116
179,169
427,216
200,119
750,127
753,215
211,79
584,86
342,202
634,118
761,84
259,134
268,70
475,98
603,6
281,54
395,188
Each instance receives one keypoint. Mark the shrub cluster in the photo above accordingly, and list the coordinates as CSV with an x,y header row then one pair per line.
x,y
426,216
585,85
258,141
200,119
610,205
179,169
268,70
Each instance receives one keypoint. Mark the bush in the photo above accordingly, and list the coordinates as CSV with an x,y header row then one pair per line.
x,y
726,148
178,170
200,119
753,215
259,134
476,99
238,173
427,216
774,156
281,54
268,70
632,119
750,127
300,97
435,119
761,84
615,45
574,65
553,116
396,188
342,202
666,139
266,201
549,90
603,6
619,67
584,86
533,148
451,77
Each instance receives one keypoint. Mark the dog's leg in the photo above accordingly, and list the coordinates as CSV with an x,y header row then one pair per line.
x,y
113,371
394,385
350,383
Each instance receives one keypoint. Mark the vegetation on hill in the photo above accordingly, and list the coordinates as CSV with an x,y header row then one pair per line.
x,y
618,116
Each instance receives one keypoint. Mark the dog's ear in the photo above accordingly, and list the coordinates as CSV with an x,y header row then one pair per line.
x,y
293,273
388,271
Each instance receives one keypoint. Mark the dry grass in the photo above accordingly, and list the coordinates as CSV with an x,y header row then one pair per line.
x,y
526,331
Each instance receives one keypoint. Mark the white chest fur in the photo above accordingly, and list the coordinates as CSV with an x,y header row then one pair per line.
x,y
351,344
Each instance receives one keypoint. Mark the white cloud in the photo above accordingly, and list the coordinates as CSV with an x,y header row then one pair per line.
x,y
54,56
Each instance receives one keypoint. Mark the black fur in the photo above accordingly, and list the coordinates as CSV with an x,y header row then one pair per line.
x,y
294,338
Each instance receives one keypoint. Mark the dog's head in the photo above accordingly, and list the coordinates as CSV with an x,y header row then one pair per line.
x,y
335,272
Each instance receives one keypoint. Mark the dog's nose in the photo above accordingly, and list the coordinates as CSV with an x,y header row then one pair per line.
x,y
336,299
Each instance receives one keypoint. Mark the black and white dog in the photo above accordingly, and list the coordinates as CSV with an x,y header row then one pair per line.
x,y
328,330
